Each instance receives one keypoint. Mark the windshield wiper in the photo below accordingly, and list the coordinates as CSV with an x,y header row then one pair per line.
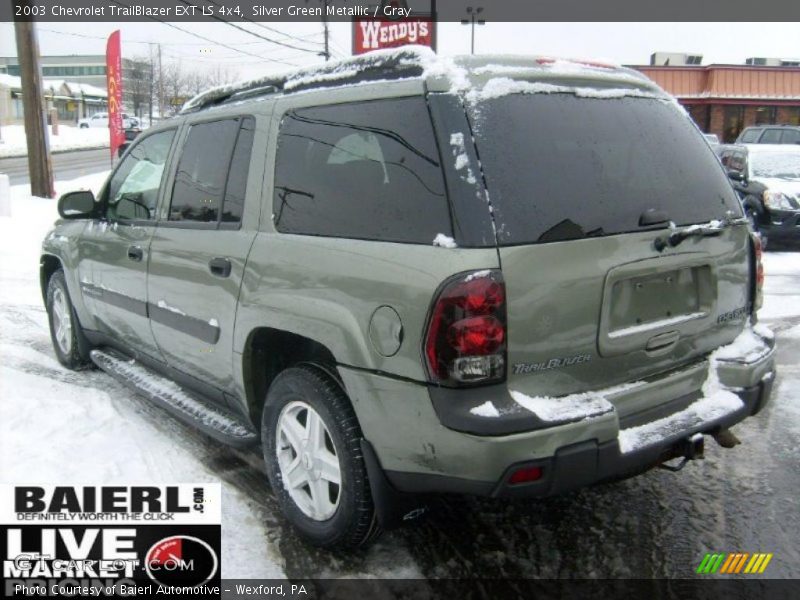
x,y
710,229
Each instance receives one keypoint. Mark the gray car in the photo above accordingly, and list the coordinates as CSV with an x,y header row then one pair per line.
x,y
403,274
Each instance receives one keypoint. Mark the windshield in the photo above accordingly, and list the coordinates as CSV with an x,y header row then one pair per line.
x,y
563,167
775,165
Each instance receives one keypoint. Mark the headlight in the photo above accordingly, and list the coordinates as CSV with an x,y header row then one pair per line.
x,y
778,201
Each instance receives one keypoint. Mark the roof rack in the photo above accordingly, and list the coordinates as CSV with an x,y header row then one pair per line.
x,y
405,63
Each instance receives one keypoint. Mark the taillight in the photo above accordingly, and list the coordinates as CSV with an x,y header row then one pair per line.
x,y
758,271
466,336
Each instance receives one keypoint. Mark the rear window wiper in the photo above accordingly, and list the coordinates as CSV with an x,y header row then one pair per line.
x,y
710,229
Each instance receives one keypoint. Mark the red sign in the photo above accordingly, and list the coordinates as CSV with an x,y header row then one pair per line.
x,y
371,34
114,79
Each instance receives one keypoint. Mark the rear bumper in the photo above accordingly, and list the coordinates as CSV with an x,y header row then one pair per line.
x,y
586,463
421,453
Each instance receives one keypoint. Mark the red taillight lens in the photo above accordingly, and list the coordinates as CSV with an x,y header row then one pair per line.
x,y
466,335
758,271
525,475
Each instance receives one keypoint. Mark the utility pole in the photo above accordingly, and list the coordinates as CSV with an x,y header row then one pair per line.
x,y
40,169
327,52
152,78
473,20
160,86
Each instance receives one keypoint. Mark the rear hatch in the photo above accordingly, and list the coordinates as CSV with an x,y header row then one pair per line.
x,y
586,190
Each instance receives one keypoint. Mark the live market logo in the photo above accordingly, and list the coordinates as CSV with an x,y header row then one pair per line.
x,y
110,540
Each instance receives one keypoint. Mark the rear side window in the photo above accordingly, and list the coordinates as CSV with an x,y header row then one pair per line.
x,y
790,136
213,168
750,136
367,170
562,167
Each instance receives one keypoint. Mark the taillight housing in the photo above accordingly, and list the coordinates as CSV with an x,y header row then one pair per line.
x,y
466,335
757,271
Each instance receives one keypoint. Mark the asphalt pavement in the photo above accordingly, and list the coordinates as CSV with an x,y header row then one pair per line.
x,y
66,165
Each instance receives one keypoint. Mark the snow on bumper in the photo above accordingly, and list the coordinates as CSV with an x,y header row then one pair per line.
x,y
748,357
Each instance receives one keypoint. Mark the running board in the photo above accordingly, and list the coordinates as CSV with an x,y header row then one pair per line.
x,y
217,422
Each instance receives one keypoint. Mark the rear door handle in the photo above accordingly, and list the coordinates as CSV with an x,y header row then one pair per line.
x,y
135,253
221,267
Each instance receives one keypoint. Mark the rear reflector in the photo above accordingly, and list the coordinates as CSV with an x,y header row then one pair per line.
x,y
525,475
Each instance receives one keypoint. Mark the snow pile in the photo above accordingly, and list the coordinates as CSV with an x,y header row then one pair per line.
x,y
444,241
574,407
717,400
487,409
69,138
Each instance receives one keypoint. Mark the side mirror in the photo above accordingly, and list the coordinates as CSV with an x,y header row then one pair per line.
x,y
735,175
76,205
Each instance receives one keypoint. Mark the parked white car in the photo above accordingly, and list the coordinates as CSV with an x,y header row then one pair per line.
x,y
101,120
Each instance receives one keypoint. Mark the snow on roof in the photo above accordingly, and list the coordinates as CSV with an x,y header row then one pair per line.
x,y
457,74
10,81
74,87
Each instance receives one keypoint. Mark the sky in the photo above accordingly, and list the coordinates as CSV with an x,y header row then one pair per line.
x,y
250,56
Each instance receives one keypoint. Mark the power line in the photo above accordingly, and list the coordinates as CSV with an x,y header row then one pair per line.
x,y
273,30
221,20
127,41
200,37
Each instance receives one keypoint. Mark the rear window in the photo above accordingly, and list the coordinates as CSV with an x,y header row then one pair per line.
x,y
562,167
790,136
367,170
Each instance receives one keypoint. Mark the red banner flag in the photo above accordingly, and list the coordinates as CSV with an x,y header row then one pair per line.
x,y
114,79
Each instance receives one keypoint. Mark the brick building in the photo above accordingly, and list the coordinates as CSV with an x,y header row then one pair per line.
x,y
724,99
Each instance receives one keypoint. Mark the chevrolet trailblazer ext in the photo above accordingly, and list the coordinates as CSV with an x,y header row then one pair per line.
x,y
403,274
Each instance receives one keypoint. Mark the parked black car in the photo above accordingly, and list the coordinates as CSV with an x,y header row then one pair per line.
x,y
767,179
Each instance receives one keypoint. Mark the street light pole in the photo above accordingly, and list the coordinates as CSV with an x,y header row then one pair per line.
x,y
472,21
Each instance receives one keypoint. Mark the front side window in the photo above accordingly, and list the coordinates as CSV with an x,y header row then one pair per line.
x,y
133,190
213,167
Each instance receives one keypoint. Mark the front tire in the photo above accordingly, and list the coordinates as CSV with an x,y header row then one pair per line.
x,y
69,342
312,449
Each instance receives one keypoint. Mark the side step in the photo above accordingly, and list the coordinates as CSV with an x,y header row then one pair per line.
x,y
215,421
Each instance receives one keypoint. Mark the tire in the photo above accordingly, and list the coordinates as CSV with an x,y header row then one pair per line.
x,y
69,342
83,126
326,514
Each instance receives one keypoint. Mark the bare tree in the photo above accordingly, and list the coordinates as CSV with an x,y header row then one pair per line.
x,y
139,86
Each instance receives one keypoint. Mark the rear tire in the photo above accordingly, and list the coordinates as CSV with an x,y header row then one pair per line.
x,y
311,438
69,342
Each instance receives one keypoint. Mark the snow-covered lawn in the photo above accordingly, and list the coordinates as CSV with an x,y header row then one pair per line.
x,y
69,138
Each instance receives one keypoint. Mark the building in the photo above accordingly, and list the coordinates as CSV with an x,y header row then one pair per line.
x,y
724,99
90,69
71,100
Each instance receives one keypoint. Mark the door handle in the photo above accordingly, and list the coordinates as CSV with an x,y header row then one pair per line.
x,y
221,267
135,253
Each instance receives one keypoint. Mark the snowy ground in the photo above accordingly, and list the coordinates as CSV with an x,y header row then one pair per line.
x,y
57,426
69,138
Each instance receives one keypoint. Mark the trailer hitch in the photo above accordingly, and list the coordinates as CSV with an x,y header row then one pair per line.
x,y
691,448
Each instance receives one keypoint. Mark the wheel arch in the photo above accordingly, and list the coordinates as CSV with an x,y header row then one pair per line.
x,y
48,264
268,351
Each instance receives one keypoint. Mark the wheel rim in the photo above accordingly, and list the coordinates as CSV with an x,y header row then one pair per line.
x,y
62,321
308,461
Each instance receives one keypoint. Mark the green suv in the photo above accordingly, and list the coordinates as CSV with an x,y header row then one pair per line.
x,y
404,274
